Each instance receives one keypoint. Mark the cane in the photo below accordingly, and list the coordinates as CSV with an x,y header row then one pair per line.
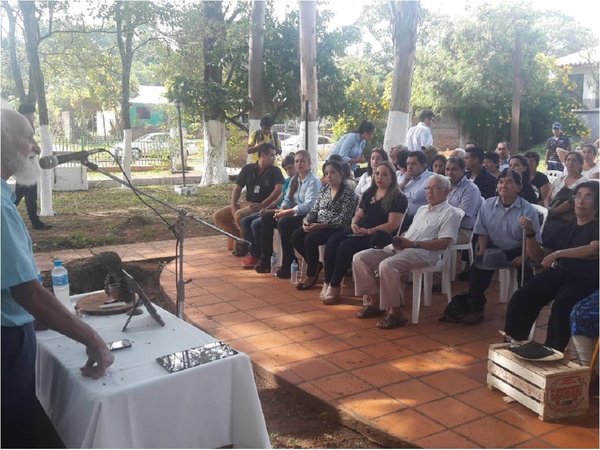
x,y
523,258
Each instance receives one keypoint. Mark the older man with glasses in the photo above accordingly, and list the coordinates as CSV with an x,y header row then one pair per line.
x,y
434,228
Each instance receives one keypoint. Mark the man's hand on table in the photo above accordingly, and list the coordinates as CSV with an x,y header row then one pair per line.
x,y
99,359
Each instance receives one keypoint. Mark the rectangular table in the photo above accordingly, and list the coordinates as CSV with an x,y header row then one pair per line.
x,y
138,404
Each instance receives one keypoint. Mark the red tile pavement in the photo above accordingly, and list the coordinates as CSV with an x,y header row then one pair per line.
x,y
423,384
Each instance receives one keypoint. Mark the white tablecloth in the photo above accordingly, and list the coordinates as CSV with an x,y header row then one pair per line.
x,y
138,404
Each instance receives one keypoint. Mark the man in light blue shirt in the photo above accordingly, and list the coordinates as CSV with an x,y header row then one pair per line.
x,y
464,195
350,146
497,226
23,297
413,185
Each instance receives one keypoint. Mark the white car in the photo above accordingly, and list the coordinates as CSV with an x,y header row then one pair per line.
x,y
146,144
296,142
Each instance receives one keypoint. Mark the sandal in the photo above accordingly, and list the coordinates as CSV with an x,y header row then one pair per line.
x,y
369,311
390,321
303,285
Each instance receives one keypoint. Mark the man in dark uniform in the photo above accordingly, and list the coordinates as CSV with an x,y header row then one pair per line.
x,y
559,141
29,192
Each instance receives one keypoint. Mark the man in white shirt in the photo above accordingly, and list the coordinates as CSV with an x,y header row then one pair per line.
x,y
435,228
420,135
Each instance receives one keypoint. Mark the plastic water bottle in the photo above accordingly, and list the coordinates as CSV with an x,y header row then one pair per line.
x,y
274,264
60,283
294,272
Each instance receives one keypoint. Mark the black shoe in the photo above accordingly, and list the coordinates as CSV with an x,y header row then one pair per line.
x,y
262,268
241,250
41,226
436,289
283,274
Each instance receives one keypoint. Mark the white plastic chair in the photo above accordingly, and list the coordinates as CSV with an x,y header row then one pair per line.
x,y
508,277
277,247
424,275
553,175
454,256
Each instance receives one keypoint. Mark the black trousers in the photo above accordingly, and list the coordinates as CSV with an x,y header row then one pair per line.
x,y
480,279
338,255
286,226
18,386
307,245
30,195
525,305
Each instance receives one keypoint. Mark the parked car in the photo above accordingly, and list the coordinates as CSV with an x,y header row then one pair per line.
x,y
145,145
294,143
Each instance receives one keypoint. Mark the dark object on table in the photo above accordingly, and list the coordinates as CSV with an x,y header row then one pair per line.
x,y
535,351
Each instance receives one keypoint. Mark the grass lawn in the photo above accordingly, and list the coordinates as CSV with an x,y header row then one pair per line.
x,y
109,216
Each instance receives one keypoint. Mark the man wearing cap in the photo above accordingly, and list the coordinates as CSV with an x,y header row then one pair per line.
x,y
498,231
559,141
29,192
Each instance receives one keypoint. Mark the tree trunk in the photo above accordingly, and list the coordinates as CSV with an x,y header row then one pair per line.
x,y
405,18
256,72
215,140
12,51
308,76
125,44
517,92
32,38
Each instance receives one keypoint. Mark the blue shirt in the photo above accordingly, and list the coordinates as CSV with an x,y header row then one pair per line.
x,y
466,196
350,146
501,224
18,263
305,196
284,191
415,192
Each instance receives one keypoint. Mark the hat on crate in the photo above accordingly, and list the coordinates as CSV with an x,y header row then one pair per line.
x,y
492,259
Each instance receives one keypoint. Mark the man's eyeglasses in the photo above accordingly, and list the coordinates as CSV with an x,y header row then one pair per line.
x,y
435,188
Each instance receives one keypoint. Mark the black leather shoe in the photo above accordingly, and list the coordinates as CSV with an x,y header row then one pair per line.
x,y
41,226
262,268
283,274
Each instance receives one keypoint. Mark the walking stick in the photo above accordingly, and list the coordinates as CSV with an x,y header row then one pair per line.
x,y
523,257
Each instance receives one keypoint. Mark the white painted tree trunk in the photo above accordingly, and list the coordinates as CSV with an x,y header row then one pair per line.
x,y
313,132
47,177
215,152
254,125
127,134
398,124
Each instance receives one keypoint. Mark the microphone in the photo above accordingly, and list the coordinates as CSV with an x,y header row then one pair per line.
x,y
50,162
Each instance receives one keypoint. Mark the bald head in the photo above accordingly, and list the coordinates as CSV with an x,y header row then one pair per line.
x,y
18,147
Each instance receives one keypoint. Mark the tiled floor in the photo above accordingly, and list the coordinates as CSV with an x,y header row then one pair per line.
x,y
423,384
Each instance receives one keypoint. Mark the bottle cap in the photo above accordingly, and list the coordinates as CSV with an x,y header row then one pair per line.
x,y
57,263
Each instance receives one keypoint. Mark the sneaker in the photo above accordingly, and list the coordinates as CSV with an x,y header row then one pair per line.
x,y
249,262
241,250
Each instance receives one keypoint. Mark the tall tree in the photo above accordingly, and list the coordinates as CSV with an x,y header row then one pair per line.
x,y
308,77
405,18
256,71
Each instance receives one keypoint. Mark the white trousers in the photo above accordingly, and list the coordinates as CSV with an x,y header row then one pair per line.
x,y
393,271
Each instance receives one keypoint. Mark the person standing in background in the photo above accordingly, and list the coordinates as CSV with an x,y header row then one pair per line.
x,y
29,192
420,135
558,141
350,147
261,136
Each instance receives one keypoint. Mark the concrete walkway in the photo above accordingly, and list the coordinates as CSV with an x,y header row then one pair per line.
x,y
423,384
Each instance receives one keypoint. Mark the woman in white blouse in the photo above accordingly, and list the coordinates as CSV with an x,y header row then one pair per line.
x,y
378,155
590,168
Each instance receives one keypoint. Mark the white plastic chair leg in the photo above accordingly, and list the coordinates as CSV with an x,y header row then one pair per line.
x,y
428,284
417,281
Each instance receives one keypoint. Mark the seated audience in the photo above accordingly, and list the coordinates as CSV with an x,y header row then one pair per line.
x,y
378,155
381,209
458,153
434,228
571,272
413,183
590,168
333,210
497,227
300,198
521,165
263,182
491,161
476,172
560,204
252,224
539,181
438,164
348,174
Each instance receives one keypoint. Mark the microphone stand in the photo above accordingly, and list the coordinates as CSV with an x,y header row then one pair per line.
x,y
179,231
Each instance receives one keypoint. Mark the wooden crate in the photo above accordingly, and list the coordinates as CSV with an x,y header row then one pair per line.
x,y
551,389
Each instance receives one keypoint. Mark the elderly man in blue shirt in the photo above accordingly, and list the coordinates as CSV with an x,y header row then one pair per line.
x,y
413,185
23,297
497,226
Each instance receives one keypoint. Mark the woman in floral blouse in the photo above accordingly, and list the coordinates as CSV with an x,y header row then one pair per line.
x,y
333,211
